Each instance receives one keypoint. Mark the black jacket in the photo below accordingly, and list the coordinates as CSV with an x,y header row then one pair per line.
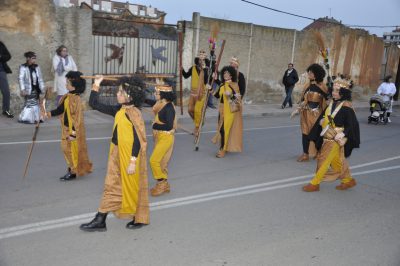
x,y
290,80
346,118
242,84
4,58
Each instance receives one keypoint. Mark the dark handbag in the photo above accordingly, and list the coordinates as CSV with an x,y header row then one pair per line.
x,y
234,103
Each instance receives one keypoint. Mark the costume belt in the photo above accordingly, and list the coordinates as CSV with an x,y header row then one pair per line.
x,y
170,132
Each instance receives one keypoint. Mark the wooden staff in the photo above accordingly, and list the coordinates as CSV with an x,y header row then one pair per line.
x,y
146,75
180,70
35,134
31,148
203,111
115,79
104,78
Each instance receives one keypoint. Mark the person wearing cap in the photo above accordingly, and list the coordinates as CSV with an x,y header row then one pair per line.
x,y
31,87
199,74
336,133
240,77
73,133
289,80
313,102
125,190
229,134
387,89
164,126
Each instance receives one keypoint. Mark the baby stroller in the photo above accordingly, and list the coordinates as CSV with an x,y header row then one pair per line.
x,y
378,107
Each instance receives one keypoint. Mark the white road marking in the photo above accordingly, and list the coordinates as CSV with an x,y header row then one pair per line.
x,y
251,189
149,135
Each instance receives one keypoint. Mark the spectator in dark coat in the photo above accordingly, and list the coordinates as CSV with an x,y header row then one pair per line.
x,y
289,79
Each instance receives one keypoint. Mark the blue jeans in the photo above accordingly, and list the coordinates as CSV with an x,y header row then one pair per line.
x,y
210,102
288,98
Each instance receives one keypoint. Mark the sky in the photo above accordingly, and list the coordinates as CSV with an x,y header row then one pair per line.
x,y
354,12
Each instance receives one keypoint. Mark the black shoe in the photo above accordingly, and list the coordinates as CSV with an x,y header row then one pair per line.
x,y
282,106
133,225
212,106
8,114
97,224
68,177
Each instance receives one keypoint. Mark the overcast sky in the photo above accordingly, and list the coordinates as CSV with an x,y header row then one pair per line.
x,y
367,12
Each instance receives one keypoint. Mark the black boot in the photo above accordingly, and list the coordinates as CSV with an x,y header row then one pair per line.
x,y
97,224
68,176
133,225
8,114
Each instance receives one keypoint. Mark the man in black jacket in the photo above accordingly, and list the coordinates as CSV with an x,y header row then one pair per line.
x,y
4,70
289,79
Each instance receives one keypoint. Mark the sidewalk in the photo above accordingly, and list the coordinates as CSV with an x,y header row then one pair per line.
x,y
250,110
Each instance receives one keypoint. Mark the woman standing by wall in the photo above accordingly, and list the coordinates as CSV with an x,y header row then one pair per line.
x,y
62,64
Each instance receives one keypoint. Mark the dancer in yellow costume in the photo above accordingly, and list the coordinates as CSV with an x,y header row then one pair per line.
x,y
73,134
164,126
338,131
126,186
230,122
199,74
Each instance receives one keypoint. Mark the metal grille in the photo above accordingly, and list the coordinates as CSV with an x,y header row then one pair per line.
x,y
141,55
102,54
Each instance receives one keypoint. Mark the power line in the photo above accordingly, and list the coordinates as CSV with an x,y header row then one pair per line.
x,y
313,19
276,10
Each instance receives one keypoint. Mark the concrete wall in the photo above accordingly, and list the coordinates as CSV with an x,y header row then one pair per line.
x,y
41,27
264,53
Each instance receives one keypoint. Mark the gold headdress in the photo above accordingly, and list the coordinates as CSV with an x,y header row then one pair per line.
x,y
235,60
343,83
164,88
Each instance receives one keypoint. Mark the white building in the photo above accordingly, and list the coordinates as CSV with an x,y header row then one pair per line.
x,y
113,7
392,37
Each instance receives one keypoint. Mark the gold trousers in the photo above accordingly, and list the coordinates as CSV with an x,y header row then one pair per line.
x,y
164,143
70,151
195,108
331,156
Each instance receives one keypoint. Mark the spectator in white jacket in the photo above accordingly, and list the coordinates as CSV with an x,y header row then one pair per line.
x,y
31,88
62,64
387,89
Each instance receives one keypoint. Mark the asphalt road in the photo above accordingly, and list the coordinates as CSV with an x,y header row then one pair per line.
x,y
244,209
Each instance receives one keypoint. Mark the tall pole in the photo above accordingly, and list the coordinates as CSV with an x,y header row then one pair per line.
x,y
180,40
203,112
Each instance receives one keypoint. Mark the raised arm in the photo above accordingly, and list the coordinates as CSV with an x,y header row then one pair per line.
x,y
187,74
94,100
